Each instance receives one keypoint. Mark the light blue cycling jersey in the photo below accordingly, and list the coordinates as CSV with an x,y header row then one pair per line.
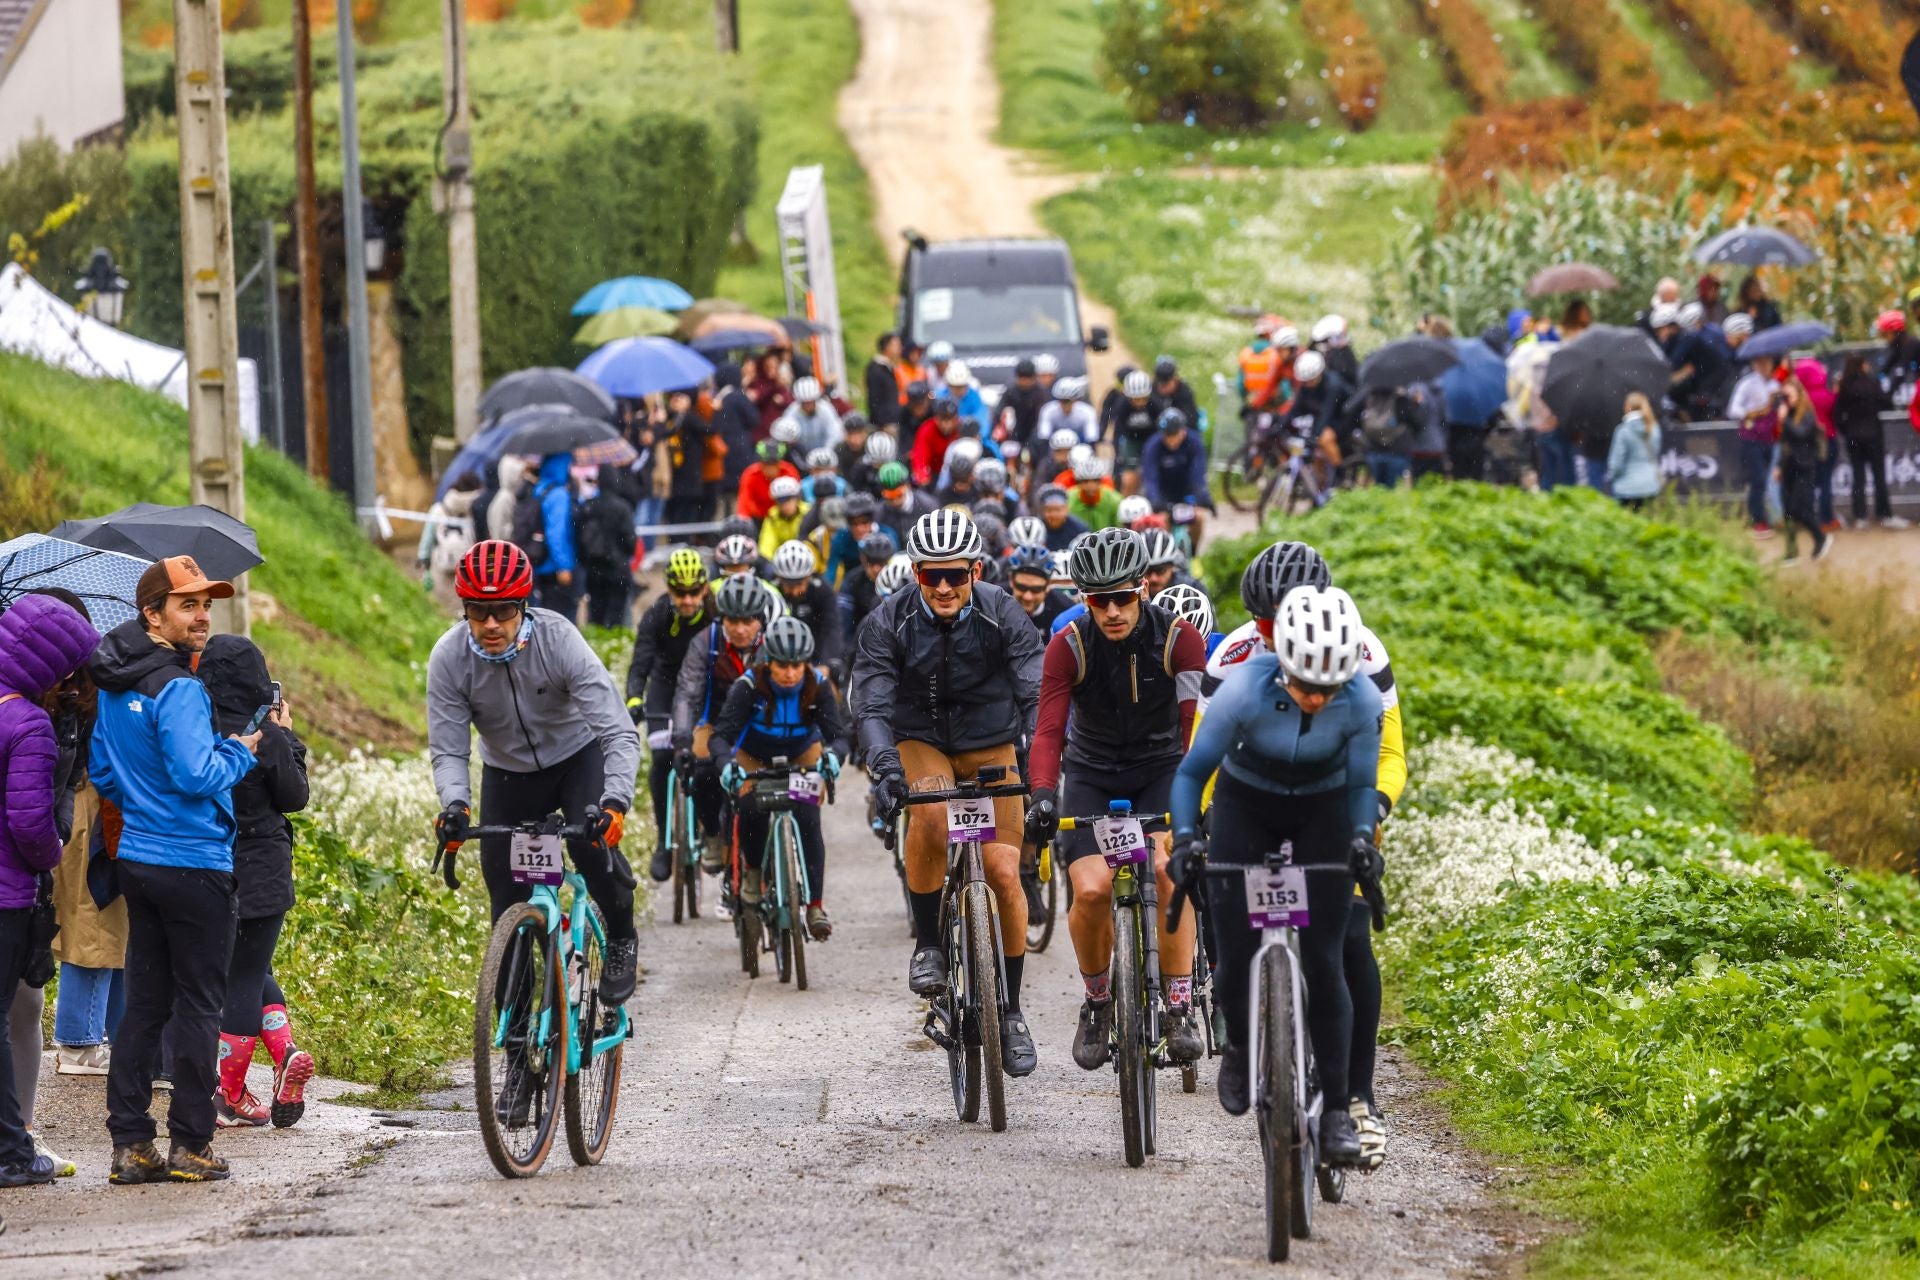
x,y
1255,734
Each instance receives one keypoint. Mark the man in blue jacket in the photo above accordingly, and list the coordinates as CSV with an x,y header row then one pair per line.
x,y
157,757
556,579
1173,468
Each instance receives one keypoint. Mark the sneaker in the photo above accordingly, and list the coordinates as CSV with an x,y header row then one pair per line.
x,y
290,1088
1184,1042
195,1164
1790,562
1896,522
1017,1054
1373,1133
1825,548
61,1168
1339,1143
819,923
1762,531
927,972
81,1059
660,870
163,1083
133,1165
619,970
1092,1039
1232,1080
713,855
35,1171
750,886
248,1113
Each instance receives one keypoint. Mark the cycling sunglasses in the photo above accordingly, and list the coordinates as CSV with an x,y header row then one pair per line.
x,y
504,611
953,577
1316,690
687,593
1099,600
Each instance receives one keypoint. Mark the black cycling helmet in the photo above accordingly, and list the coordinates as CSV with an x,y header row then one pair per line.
x,y
741,596
1107,560
1164,368
1173,420
1278,570
789,640
862,506
737,526
877,548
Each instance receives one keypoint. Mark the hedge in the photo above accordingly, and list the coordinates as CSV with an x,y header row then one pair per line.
x,y
1732,40
1355,70
597,153
1618,63
1473,51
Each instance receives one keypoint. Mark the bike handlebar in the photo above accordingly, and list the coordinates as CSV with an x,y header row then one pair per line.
x,y
1181,894
967,791
443,856
1074,824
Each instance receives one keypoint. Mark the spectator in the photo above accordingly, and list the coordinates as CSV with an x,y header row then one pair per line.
x,y
1857,407
1575,319
736,422
511,474
1812,375
915,410
1427,451
768,390
235,673
446,535
815,422
883,388
911,368
1900,364
1633,458
1753,302
157,757
1385,432
683,434
1713,306
1666,297
1702,365
1062,526
1803,447
43,641
544,530
603,525
1755,407
931,445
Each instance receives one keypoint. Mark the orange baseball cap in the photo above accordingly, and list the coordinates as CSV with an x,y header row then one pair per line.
x,y
179,576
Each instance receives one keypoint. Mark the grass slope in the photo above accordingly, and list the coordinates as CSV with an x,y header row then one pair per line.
x,y
345,630
1534,72
1679,78
1419,94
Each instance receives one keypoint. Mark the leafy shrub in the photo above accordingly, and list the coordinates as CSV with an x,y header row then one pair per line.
x,y
1473,54
1854,35
39,179
1732,40
1351,61
1224,62
1596,41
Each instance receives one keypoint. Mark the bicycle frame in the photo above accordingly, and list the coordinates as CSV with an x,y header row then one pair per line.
x,y
569,928
1136,891
680,805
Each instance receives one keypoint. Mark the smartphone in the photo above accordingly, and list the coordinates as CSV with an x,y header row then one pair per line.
x,y
259,717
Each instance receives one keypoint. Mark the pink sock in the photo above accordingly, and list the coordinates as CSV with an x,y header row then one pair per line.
x,y
1179,992
276,1031
236,1053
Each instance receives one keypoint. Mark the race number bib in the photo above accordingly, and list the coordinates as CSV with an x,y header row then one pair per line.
x,y
1183,513
536,859
805,788
970,820
1120,840
1277,898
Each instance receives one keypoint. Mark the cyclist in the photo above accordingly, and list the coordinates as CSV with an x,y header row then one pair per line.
x,y
1057,518
1297,742
782,523
1171,391
860,589
881,449
716,657
1187,601
781,707
1030,579
737,554
1174,470
1054,461
900,503
813,602
1094,501
945,679
990,488
1164,561
552,736
1130,673
1126,415
848,545
659,645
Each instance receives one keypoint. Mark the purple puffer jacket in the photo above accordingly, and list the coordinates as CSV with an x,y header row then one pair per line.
x,y
42,642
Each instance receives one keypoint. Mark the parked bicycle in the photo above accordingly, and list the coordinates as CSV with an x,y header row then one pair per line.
x,y
543,1041
780,917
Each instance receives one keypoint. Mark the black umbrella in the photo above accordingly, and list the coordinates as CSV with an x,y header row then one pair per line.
x,y
1589,379
550,386
223,547
1406,362
551,429
1755,247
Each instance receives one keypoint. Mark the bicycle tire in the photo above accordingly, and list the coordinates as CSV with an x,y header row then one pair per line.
x,y
1246,466
676,853
1038,936
773,865
592,1093
523,925
963,1052
986,971
1129,1034
797,932
1276,1103
900,865
746,926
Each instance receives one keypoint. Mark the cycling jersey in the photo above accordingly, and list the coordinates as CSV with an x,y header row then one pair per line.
x,y
1132,700
659,644
711,665
765,721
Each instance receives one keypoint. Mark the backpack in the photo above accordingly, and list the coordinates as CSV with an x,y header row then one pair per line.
x,y
530,525
1383,426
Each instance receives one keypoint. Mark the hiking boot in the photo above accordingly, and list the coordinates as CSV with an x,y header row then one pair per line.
x,y
750,886
136,1164
1232,1081
62,1168
81,1059
1017,1054
1373,1133
1092,1039
819,923
31,1172
1184,1042
248,1112
620,970
713,855
1339,1143
290,1088
927,972
195,1164
660,870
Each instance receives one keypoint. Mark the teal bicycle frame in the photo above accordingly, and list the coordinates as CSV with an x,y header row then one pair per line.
x,y
568,930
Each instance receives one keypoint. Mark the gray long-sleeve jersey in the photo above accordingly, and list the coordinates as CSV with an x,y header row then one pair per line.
x,y
533,712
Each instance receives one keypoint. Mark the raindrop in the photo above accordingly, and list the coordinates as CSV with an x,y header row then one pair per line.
x,y
1188,121
1313,122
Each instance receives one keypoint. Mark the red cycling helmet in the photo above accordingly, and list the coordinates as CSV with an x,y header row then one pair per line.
x,y
494,570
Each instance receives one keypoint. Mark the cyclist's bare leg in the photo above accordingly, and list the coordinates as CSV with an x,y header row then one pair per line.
x,y
1090,920
926,853
1002,865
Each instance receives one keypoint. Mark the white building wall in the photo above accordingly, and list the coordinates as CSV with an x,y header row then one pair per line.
x,y
65,78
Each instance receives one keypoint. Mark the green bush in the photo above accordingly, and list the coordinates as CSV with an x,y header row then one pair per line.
x,y
39,179
1223,62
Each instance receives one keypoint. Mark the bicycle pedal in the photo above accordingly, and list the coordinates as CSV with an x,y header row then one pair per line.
x,y
936,1031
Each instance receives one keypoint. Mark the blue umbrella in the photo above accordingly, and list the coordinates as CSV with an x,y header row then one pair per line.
x,y
721,341
478,457
105,580
633,291
1477,386
634,367
1784,338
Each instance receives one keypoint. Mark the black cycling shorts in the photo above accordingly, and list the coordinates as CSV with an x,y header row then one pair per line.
x,y
1085,791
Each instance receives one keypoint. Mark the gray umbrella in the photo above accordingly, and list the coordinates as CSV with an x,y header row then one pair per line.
x,y
1406,362
1589,379
1755,247
1784,339
549,386
545,430
223,547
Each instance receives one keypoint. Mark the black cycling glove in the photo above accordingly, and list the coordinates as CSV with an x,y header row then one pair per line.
x,y
450,827
1043,817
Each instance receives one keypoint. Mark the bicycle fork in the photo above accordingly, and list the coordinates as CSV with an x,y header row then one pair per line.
x,y
1273,939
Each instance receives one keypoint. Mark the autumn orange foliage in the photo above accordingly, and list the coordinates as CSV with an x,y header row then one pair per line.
x,y
1473,55
1355,70
490,10
238,15
1853,33
604,13
1598,44
1733,41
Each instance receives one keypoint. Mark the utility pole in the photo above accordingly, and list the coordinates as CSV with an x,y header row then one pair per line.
x,y
272,249
359,355
218,464
453,196
726,25
306,240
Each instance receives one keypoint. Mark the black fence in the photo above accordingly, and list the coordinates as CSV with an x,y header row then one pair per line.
x,y
1703,459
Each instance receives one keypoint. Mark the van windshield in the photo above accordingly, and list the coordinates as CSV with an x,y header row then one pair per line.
x,y
1020,315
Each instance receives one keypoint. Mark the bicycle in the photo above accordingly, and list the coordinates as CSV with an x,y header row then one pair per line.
x,y
683,838
1286,1095
542,1041
965,1018
1047,883
784,891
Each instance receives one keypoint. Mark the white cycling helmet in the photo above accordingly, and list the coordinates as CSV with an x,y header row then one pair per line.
x,y
958,375
1184,600
968,447
1663,316
1046,365
793,561
1091,467
939,352
823,459
897,574
806,389
1134,507
1736,324
1137,385
1286,336
785,431
1317,634
782,488
735,551
1330,329
1069,389
1162,550
1027,531
1692,316
1064,438
1308,365
945,534
882,447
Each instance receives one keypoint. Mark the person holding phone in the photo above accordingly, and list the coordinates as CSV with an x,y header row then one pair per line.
x,y
246,701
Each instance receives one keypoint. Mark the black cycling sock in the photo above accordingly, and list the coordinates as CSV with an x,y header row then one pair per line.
x,y
926,919
1016,966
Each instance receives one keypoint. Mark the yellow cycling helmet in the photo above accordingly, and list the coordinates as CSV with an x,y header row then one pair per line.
x,y
686,569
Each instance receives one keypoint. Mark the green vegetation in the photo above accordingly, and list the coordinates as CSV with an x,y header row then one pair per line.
x,y
345,630
1680,80
1231,63
1695,1035
1419,95
1535,73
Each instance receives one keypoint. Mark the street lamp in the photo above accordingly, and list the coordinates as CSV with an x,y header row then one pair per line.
x,y
105,288
376,238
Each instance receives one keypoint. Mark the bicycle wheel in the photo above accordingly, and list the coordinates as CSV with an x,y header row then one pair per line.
x,y
519,1042
778,891
963,1048
900,866
675,851
1129,1034
746,926
986,997
592,1092
797,910
1039,935
1276,1102
1244,477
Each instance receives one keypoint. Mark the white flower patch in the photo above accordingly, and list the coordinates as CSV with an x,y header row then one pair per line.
x,y
1455,763
377,803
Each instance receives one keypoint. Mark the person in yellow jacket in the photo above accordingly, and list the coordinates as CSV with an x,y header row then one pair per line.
x,y
782,523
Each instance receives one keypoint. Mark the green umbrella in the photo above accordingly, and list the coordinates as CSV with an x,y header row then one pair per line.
x,y
624,322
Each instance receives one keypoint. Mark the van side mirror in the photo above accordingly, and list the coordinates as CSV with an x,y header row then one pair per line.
x,y
1100,339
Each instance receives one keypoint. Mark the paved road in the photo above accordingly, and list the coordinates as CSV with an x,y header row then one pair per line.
x,y
765,1131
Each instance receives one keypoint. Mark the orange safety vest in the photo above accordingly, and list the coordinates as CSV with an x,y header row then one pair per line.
x,y
1260,370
